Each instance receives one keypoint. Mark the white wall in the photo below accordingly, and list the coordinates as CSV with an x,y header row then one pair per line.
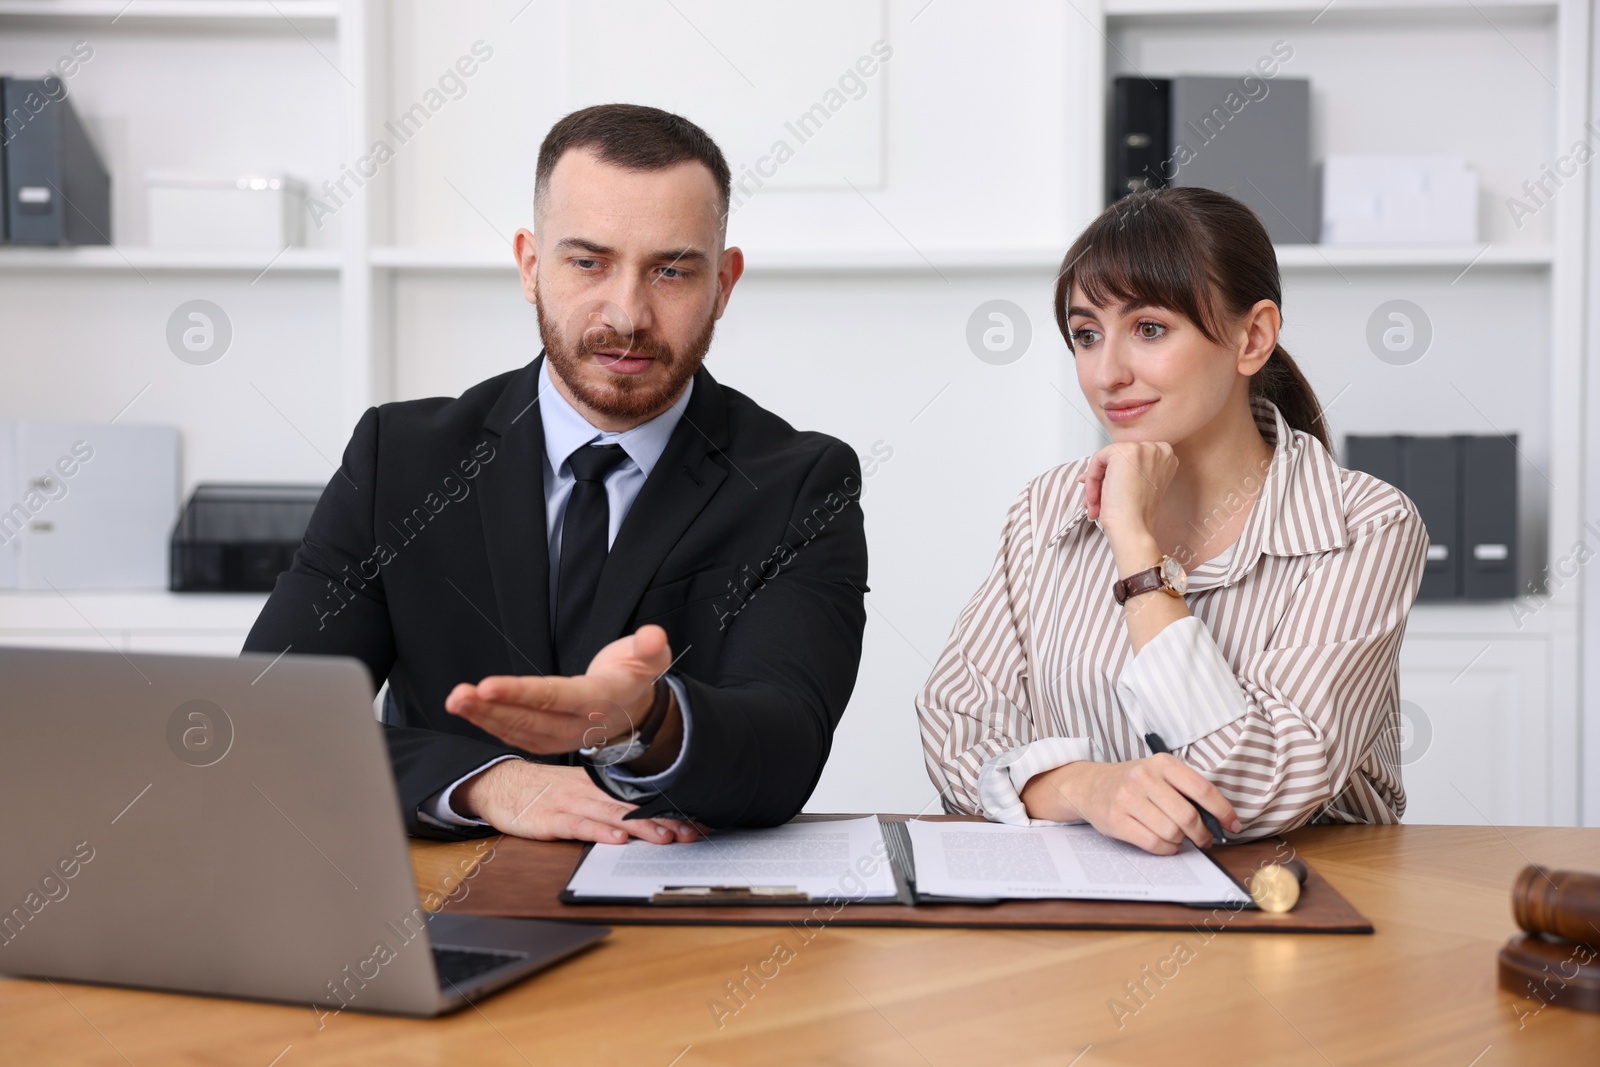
x,y
976,99
1589,782
86,347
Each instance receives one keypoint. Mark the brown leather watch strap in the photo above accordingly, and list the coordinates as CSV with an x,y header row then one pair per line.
x,y
1146,581
650,725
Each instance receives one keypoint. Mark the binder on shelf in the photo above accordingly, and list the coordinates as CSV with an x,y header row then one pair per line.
x,y
1139,141
1488,517
1249,140
1389,459
1431,474
1379,457
1465,489
1256,148
57,191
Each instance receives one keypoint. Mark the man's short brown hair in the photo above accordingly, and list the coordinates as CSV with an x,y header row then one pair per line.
x,y
633,137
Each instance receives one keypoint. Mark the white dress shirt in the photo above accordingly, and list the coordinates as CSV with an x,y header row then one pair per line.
x,y
566,431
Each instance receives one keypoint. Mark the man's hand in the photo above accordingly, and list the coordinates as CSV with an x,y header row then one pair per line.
x,y
548,803
547,714
1144,802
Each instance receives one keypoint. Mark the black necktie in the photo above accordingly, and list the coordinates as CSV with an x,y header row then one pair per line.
x,y
583,549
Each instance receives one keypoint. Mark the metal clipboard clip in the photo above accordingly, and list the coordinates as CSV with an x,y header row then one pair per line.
x,y
730,894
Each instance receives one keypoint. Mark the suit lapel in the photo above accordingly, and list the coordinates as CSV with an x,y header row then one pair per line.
x,y
511,506
680,485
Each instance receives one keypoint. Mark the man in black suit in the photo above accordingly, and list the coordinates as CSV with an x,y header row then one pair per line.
x,y
603,551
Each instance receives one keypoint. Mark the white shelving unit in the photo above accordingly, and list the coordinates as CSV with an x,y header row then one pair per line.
x,y
407,292
1244,9
1496,690
1294,257
1290,257
135,258
170,14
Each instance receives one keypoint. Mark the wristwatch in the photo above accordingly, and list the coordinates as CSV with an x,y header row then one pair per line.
x,y
636,742
1167,576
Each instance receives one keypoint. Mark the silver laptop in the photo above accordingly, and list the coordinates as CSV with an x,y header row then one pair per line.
x,y
226,826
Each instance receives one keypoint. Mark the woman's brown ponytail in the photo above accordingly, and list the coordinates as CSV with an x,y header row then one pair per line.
x,y
1280,381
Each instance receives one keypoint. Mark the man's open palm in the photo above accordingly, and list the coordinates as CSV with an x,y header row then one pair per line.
x,y
548,714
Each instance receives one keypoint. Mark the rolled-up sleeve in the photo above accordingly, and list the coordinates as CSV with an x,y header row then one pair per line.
x,y
1001,781
979,737
1181,686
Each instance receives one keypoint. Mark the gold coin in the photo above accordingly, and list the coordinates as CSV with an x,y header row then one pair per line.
x,y
1275,888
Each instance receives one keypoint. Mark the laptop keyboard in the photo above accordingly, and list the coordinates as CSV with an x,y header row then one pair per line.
x,y
457,966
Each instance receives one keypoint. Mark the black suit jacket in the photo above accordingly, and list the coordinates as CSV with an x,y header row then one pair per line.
x,y
427,559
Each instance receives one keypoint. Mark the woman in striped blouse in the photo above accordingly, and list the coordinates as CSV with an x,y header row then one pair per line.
x,y
1211,577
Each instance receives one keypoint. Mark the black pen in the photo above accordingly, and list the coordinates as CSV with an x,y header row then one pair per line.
x,y
1210,820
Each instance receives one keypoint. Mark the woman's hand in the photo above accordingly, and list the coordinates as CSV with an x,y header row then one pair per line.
x,y
1125,483
1144,802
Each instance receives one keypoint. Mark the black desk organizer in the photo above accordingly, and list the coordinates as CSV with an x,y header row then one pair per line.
x,y
239,538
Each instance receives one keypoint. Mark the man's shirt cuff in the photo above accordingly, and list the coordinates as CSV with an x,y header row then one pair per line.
x,y
634,787
436,810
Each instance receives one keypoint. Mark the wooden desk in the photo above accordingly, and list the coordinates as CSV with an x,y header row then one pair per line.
x,y
1422,990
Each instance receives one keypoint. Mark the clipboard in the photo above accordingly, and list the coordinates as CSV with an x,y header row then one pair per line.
x,y
749,894
525,879
896,839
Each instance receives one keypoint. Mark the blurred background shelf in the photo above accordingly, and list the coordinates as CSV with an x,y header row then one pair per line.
x,y
793,261
131,621
1320,9
1391,257
174,14
198,260
1290,257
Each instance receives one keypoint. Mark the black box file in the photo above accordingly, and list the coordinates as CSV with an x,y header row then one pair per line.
x,y
1465,488
57,191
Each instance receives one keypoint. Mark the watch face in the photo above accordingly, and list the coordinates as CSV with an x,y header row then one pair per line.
x,y
1173,572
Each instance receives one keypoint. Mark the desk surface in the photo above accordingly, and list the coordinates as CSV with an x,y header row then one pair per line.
x,y
1422,990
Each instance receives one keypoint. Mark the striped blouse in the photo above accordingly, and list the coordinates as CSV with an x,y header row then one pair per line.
x,y
1281,688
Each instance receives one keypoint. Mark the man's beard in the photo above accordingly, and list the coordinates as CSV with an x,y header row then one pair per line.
x,y
623,396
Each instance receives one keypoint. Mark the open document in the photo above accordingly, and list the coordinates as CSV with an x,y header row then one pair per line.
x,y
841,858
989,861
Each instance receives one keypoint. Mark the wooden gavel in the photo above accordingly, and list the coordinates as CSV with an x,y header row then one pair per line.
x,y
1556,960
